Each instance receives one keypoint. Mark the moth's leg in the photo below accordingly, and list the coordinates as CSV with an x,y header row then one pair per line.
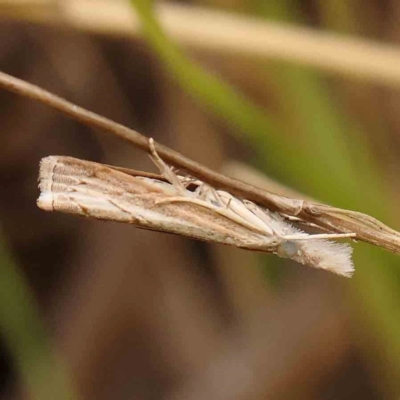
x,y
219,210
261,215
165,170
242,209
208,194
173,179
223,202
228,204
211,195
237,207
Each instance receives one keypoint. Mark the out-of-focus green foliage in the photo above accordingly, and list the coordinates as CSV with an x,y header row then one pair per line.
x,y
315,146
42,372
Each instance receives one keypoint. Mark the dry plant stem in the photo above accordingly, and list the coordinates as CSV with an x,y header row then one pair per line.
x,y
368,229
223,33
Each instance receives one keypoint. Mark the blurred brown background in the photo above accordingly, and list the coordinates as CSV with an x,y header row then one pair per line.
x,y
142,315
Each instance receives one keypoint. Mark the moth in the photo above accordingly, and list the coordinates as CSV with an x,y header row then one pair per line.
x,y
185,206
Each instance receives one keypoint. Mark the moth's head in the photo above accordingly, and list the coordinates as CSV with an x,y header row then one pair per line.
x,y
288,249
324,254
